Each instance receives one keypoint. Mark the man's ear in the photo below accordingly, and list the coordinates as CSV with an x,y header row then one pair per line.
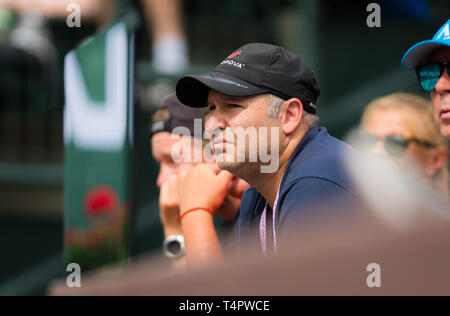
x,y
291,115
437,161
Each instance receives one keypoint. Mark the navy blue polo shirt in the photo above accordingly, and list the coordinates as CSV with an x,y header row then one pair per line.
x,y
314,175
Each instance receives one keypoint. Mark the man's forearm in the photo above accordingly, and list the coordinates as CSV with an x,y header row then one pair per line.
x,y
202,244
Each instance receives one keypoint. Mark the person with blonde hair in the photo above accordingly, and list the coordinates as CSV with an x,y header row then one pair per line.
x,y
400,127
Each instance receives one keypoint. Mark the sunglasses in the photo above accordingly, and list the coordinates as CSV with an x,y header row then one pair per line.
x,y
430,74
394,145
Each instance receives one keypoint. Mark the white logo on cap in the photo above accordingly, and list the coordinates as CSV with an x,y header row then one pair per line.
x,y
233,63
445,32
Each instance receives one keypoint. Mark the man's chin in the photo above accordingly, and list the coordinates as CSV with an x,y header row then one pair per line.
x,y
229,166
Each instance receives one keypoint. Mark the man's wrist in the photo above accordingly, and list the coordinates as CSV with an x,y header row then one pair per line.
x,y
196,209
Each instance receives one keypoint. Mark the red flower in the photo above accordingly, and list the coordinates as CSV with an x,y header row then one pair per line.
x,y
101,199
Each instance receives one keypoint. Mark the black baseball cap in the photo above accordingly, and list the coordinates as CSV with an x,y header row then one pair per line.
x,y
171,114
254,69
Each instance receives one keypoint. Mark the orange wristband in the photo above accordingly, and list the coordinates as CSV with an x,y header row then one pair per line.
x,y
196,209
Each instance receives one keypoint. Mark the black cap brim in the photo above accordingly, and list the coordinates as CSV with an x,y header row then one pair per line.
x,y
193,90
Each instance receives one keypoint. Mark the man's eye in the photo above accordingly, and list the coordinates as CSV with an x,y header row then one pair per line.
x,y
209,109
232,106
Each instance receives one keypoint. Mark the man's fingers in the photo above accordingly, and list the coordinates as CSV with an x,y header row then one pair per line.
x,y
238,187
214,168
224,177
183,174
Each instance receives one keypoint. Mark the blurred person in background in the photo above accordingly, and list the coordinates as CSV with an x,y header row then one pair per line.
x,y
430,59
31,32
199,239
400,128
164,21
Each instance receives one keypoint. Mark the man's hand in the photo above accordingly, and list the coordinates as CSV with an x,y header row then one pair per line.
x,y
228,211
230,207
169,211
238,187
202,187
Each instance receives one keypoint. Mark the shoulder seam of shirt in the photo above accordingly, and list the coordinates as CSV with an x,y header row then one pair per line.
x,y
295,181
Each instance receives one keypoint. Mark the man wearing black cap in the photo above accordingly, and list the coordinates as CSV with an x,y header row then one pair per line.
x,y
264,87
170,118
431,61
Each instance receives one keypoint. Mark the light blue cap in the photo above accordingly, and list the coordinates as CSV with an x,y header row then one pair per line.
x,y
419,53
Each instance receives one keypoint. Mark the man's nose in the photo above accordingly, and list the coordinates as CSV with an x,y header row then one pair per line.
x,y
165,171
215,121
443,84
